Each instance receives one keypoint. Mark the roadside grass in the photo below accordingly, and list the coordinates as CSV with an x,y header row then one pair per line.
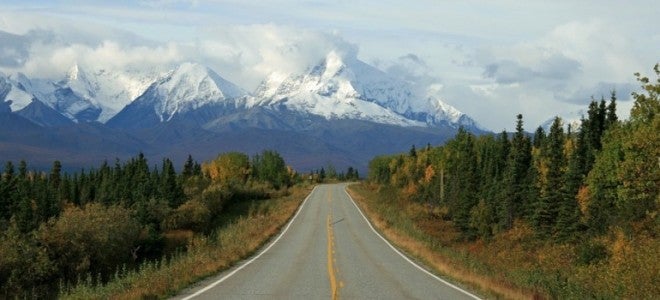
x,y
515,264
402,225
246,227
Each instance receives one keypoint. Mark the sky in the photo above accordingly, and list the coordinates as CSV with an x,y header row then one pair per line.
x,y
489,59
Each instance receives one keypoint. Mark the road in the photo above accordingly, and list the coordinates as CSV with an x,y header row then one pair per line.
x,y
327,251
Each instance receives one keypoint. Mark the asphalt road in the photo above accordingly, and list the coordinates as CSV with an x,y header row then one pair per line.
x,y
327,251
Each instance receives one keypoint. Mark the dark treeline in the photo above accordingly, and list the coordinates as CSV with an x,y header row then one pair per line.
x,y
57,228
564,182
330,173
31,198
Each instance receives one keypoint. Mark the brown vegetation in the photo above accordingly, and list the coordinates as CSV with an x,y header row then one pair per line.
x,y
515,264
206,255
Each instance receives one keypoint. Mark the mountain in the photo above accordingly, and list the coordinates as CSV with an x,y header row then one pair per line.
x,y
79,95
340,111
189,89
347,88
574,119
42,115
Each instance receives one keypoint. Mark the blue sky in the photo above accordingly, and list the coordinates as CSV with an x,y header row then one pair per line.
x,y
490,59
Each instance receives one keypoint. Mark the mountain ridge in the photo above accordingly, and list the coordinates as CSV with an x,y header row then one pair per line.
x,y
341,111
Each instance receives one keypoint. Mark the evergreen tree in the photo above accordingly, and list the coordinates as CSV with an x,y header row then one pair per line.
x,y
169,188
611,117
188,167
7,191
516,203
539,137
464,180
413,151
568,211
322,174
546,209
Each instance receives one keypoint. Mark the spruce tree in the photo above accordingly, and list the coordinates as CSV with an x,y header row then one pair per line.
x,y
611,117
546,208
188,167
7,191
464,182
517,185
170,190
568,211
539,137
412,152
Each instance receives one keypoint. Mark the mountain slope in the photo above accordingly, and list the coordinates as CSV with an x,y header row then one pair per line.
x,y
79,95
190,89
347,88
42,115
341,111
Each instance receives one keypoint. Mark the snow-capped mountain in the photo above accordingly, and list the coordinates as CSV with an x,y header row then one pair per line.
x,y
347,88
188,88
80,96
339,87
574,119
340,110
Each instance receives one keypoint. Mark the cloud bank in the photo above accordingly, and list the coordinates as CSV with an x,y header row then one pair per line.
x,y
535,58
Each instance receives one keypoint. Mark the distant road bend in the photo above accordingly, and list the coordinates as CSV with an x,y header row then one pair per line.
x,y
327,251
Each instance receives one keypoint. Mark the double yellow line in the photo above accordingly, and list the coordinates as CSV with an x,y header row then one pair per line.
x,y
331,265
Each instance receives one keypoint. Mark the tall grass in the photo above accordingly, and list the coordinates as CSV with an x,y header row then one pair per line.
x,y
251,224
403,225
516,264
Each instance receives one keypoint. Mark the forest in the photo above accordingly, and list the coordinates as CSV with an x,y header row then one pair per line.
x,y
578,205
60,229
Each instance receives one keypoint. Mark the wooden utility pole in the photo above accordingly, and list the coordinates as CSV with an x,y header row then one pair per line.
x,y
442,184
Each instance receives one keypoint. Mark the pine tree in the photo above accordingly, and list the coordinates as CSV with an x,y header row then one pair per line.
x,y
412,152
188,167
539,137
547,206
322,175
7,191
169,188
568,211
464,181
517,185
611,117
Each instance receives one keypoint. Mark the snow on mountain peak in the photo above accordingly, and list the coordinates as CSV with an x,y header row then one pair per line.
x,y
191,86
345,87
340,86
73,73
572,119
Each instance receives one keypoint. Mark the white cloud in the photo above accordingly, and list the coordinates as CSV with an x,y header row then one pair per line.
x,y
505,58
256,51
556,73
243,54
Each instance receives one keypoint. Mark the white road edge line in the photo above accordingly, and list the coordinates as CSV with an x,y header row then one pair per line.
x,y
210,286
404,256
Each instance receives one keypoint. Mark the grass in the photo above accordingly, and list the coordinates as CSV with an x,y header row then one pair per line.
x,y
249,226
396,222
516,264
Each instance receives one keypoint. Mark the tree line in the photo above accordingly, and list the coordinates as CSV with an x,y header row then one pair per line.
x,y
57,227
567,181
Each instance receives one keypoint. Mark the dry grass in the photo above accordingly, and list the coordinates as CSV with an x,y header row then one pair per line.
x,y
516,264
416,246
205,257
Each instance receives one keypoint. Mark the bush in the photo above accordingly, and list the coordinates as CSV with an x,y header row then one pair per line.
x,y
91,239
590,252
193,215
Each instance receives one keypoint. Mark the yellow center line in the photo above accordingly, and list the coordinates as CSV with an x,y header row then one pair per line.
x,y
331,267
